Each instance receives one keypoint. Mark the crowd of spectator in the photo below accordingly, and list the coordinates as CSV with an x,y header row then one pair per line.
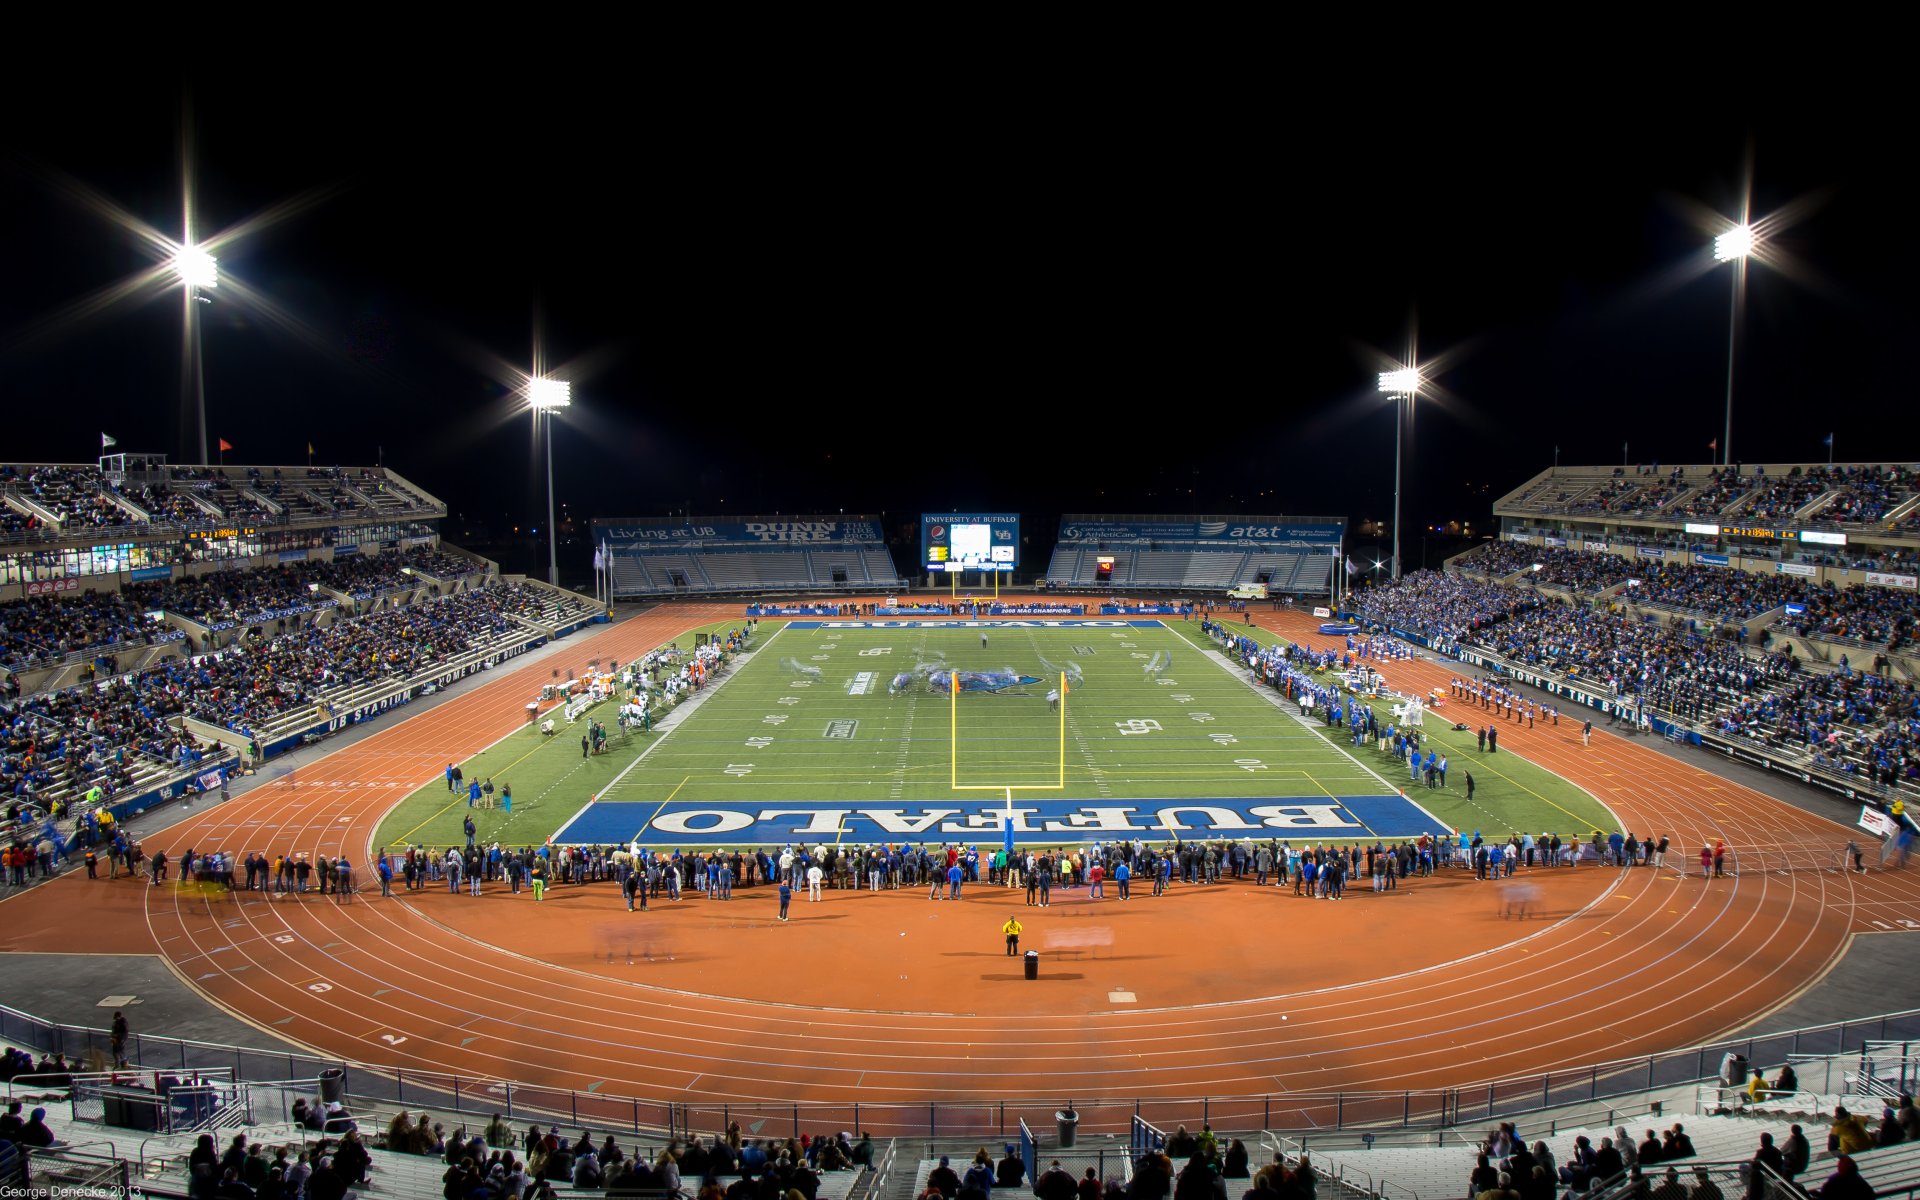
x,y
1576,570
96,733
1443,607
1605,498
442,564
1848,722
1866,614
44,630
1843,721
1724,485
84,497
40,631
224,599
252,686
1721,593
92,735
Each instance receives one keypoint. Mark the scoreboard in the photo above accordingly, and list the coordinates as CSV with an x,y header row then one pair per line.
x,y
952,542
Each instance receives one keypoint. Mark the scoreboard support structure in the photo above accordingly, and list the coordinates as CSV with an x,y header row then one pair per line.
x,y
954,578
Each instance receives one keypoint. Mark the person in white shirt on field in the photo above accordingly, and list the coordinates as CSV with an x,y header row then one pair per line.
x,y
814,876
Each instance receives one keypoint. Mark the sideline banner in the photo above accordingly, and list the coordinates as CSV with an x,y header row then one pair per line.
x,y
774,822
1878,823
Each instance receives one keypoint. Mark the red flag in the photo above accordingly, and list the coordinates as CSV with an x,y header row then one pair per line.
x,y
1714,444
225,445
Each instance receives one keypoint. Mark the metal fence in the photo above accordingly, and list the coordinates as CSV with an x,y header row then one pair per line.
x,y
994,1120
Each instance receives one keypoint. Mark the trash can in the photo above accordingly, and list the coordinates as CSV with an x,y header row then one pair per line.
x,y
1066,1122
333,1086
1733,1069
1033,964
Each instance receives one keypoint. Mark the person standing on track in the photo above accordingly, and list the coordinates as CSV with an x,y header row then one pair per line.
x,y
1706,861
814,877
1012,930
1586,734
786,897
539,875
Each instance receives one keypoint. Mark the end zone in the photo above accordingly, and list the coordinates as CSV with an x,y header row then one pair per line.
x,y
1036,822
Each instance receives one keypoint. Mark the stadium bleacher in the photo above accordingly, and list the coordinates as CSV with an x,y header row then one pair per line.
x,y
747,556
1857,726
1289,555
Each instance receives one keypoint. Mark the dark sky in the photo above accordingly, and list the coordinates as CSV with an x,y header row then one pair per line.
x,y
1042,293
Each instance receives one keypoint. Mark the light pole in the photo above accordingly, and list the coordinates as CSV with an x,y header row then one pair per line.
x,y
1402,385
544,396
1733,246
195,269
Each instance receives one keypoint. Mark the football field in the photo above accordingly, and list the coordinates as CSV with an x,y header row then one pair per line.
x,y
856,732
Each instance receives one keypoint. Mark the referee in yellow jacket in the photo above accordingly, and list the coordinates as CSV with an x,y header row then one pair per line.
x,y
1012,930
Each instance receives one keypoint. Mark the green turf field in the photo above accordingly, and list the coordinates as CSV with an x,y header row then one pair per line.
x,y
1510,794
807,718
550,782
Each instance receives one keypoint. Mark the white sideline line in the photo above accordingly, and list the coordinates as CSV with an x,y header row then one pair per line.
x,y
678,716
1220,660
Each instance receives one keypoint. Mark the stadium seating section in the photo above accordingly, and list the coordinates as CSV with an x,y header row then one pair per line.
x,y
48,502
1208,567
123,734
1644,644
717,568
1812,496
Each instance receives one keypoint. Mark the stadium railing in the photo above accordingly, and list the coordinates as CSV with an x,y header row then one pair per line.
x,y
1320,1111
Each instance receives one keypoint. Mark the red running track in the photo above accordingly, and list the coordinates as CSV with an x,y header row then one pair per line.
x,y
1426,988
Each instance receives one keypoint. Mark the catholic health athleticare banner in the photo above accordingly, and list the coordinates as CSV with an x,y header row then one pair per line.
x,y
776,531
1276,530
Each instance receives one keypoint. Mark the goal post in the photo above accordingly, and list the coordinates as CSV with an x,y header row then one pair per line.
x,y
953,755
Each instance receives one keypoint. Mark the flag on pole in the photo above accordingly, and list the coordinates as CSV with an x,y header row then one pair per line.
x,y
599,560
1714,444
1351,568
225,445
1829,441
106,441
309,449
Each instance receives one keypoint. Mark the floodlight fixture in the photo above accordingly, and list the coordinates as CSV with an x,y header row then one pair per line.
x,y
1734,243
549,393
194,267
1402,382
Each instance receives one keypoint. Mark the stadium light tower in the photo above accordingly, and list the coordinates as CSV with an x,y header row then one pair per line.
x,y
195,268
1733,246
1403,385
545,397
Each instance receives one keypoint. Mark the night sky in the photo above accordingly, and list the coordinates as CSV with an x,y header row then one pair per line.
x,y
1030,295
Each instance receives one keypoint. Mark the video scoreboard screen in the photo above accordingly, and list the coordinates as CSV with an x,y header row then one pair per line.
x,y
970,541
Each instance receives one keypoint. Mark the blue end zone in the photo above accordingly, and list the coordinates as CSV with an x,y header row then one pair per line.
x,y
1037,822
964,623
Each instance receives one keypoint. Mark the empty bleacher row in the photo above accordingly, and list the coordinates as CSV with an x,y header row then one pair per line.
x,y
1201,569
738,569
